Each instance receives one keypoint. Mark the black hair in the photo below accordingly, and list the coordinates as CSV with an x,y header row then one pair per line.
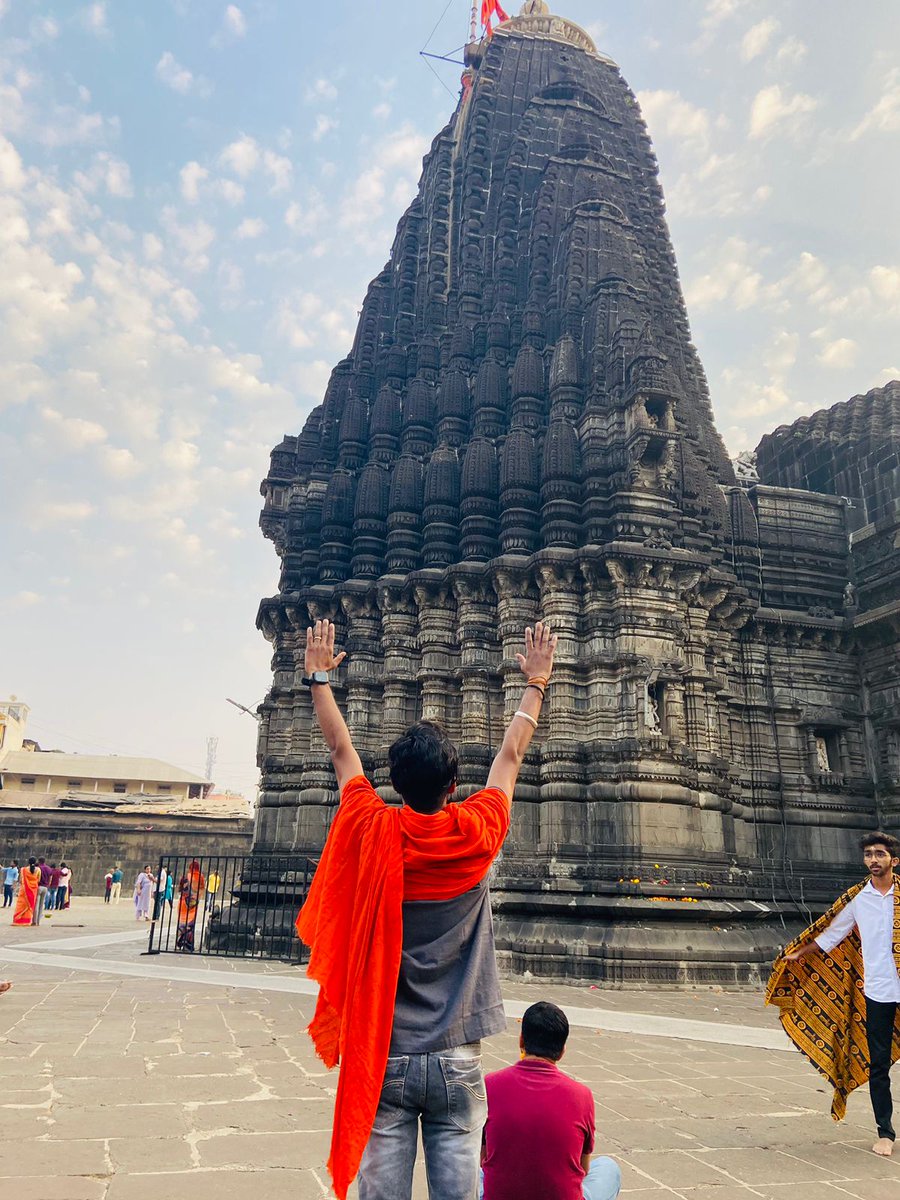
x,y
878,838
423,765
545,1029
32,862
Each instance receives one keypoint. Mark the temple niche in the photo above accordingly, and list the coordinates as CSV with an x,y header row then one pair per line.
x,y
523,427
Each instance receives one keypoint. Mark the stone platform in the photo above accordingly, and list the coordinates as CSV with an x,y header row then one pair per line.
x,y
124,1077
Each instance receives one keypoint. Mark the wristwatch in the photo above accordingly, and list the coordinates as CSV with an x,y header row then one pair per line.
x,y
315,678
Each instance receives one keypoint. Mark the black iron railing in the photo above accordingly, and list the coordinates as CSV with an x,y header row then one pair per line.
x,y
230,905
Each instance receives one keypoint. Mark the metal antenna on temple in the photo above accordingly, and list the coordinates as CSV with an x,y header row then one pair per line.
x,y
243,708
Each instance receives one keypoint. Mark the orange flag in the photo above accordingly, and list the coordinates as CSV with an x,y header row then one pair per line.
x,y
489,9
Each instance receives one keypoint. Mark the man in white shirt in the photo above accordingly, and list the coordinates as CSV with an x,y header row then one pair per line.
x,y
871,912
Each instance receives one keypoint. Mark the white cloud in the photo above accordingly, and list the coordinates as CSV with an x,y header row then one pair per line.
x,y
250,227
321,89
279,169
884,116
153,247
191,176
304,320
12,172
782,354
170,72
886,375
241,156
839,354
74,433
119,462
397,160
50,512
886,284
231,192
26,599
323,126
791,52
180,455
93,18
306,218
44,29
734,278
235,21
758,37
194,239
668,114
773,107
382,111
106,173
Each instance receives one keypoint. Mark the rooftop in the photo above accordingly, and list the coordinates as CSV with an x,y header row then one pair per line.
x,y
95,766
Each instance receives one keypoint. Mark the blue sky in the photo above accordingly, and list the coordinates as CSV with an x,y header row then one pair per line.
x,y
193,198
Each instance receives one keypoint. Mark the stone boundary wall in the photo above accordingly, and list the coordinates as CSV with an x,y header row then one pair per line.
x,y
91,843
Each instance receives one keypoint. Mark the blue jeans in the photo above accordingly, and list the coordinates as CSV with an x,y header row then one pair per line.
x,y
602,1181
445,1089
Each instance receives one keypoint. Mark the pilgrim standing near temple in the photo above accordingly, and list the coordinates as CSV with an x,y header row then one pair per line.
x,y
29,886
398,921
65,886
143,894
117,884
850,1032
107,886
43,887
10,883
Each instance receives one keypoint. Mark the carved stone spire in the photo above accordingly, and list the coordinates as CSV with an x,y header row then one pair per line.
x,y
523,428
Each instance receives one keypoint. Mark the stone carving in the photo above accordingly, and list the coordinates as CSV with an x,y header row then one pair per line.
x,y
523,427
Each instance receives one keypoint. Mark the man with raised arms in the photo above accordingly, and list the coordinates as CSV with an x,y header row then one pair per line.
x,y
398,921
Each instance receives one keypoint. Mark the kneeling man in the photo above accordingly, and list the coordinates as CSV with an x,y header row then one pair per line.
x,y
539,1135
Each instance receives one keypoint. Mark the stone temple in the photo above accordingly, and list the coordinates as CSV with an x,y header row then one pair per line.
x,y
523,428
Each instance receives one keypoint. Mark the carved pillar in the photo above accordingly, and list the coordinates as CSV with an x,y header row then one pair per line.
x,y
364,671
437,647
477,640
398,640
560,605
517,607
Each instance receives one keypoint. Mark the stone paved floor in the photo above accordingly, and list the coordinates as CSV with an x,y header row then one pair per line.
x,y
141,1087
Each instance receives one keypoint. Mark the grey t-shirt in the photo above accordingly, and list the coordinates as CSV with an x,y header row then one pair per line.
x,y
448,993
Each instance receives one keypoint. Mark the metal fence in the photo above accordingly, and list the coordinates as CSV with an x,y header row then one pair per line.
x,y
229,905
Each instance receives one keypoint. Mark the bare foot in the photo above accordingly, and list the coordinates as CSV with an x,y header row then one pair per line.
x,y
5,986
884,1147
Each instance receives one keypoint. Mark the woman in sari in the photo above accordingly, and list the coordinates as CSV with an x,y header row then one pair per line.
x,y
143,893
29,879
191,886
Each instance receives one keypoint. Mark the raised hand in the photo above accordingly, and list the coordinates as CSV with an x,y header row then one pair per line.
x,y
320,654
540,646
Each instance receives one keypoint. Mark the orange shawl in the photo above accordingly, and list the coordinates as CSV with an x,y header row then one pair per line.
x,y
375,857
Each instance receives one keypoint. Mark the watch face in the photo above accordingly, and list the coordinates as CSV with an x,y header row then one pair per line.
x,y
320,676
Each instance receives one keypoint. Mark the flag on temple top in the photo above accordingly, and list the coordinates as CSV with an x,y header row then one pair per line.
x,y
489,9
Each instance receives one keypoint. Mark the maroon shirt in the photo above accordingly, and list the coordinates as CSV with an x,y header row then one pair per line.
x,y
539,1124
44,869
55,876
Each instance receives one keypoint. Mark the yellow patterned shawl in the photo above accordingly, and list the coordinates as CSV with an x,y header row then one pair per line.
x,y
822,1004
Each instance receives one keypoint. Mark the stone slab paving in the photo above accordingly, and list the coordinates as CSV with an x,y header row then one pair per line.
x,y
143,1087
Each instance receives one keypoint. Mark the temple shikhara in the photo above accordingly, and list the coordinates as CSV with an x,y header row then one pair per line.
x,y
523,427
